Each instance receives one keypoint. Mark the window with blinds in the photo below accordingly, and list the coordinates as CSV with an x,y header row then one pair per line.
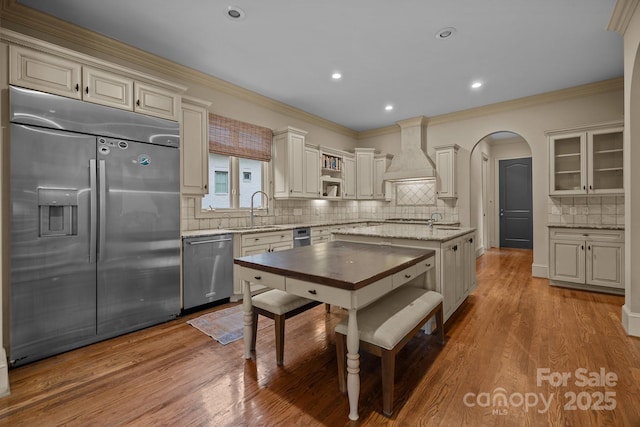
x,y
239,153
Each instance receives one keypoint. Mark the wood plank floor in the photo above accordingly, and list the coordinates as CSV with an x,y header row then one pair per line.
x,y
510,328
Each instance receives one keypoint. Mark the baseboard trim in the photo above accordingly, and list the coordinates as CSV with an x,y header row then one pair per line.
x,y
630,321
4,374
538,270
479,251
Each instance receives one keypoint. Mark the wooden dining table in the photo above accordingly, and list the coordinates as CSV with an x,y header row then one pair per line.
x,y
346,274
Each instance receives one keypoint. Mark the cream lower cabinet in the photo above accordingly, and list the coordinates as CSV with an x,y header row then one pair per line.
x,y
455,264
96,83
320,235
258,243
458,272
586,258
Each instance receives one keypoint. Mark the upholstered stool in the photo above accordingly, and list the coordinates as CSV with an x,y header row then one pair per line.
x,y
278,305
385,327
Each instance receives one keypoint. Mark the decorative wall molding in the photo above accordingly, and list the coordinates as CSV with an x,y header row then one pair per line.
x,y
621,15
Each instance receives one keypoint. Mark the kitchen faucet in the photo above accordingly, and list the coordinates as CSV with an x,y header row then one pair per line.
x,y
432,219
266,195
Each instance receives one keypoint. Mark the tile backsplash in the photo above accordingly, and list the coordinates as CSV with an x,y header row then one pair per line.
x,y
586,210
311,211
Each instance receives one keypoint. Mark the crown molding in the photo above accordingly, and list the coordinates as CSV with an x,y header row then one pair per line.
x,y
621,15
40,25
530,101
46,26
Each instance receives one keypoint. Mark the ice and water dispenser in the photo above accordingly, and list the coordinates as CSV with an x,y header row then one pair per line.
x,y
58,212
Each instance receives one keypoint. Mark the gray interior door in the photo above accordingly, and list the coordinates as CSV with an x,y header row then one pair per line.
x,y
516,203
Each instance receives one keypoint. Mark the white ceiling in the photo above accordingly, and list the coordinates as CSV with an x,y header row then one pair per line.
x,y
386,50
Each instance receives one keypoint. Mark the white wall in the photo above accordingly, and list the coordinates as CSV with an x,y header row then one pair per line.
x,y
631,309
528,121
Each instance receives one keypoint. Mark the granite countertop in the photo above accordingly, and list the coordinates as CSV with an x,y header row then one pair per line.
x,y
267,228
588,226
408,231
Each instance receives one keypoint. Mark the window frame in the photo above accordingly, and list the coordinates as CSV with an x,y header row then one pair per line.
x,y
234,185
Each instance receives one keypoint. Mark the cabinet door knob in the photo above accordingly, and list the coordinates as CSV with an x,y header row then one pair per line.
x,y
257,277
77,87
584,187
591,187
313,291
589,247
86,89
455,247
582,247
408,276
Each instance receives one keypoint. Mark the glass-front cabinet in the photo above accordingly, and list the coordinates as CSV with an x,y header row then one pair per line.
x,y
586,162
606,154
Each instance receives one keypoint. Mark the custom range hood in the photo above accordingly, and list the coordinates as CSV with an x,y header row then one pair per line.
x,y
412,163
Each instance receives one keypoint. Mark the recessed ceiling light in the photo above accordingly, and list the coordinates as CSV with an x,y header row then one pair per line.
x,y
336,76
445,33
476,85
388,107
235,13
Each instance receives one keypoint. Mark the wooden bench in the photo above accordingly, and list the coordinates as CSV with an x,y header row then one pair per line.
x,y
279,306
385,327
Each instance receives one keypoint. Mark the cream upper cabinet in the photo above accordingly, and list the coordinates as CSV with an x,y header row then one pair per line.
x,y
42,71
364,173
92,83
311,172
106,88
446,170
588,258
155,101
349,177
194,146
380,164
586,162
605,161
288,158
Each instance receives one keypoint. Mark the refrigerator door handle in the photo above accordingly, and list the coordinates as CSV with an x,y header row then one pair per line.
x,y
103,208
93,214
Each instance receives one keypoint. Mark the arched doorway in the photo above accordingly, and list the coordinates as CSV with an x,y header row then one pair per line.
x,y
484,172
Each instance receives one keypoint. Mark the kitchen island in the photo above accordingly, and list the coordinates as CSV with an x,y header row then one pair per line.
x,y
349,275
455,260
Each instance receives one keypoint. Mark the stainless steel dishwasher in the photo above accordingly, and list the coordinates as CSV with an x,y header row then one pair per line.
x,y
207,269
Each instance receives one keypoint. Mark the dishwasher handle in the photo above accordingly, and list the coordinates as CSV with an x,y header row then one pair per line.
x,y
202,242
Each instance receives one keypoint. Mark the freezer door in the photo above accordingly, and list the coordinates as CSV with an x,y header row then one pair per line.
x,y
53,281
139,236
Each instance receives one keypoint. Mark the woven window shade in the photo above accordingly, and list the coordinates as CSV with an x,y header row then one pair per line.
x,y
235,138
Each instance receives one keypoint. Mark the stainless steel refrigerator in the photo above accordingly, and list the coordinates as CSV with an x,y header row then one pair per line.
x,y
95,223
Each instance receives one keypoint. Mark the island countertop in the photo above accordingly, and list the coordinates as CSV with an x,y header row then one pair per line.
x,y
408,231
343,265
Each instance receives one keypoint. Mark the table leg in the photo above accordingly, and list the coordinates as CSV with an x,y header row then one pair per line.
x,y
353,364
248,318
